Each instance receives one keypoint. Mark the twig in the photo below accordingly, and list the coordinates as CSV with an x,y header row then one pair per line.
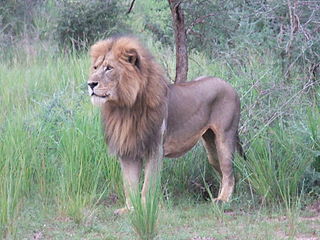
x,y
131,6
199,20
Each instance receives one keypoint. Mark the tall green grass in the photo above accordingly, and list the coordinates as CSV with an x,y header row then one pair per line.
x,y
275,166
313,125
14,173
51,143
144,215
82,169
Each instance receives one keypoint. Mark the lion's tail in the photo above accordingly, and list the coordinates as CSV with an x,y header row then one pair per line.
x,y
239,148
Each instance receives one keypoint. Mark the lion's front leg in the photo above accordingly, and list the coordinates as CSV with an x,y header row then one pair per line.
x,y
131,170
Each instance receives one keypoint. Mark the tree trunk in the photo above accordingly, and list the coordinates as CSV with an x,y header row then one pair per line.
x,y
181,41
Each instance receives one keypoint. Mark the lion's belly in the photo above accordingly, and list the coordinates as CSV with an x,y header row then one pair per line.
x,y
175,147
174,150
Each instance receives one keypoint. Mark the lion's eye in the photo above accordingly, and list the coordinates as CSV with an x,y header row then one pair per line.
x,y
108,68
95,67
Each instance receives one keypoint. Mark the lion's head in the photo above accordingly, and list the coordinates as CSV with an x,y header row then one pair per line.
x,y
120,72
131,88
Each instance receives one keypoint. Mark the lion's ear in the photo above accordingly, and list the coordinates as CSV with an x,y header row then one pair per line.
x,y
133,57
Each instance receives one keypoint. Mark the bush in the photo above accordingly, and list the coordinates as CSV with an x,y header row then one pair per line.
x,y
16,16
82,22
16,19
226,28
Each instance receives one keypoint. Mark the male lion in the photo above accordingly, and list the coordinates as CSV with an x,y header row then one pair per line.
x,y
146,118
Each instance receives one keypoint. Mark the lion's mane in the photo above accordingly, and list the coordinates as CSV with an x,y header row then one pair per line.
x,y
133,126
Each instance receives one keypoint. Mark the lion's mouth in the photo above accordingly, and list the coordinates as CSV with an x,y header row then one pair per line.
x,y
103,96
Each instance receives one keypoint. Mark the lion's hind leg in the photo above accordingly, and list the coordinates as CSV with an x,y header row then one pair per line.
x,y
225,144
210,146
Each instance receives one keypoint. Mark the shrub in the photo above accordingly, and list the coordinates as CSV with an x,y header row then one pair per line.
x,y
16,16
82,22
16,20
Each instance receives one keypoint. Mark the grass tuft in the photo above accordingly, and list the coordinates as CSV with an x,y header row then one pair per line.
x,y
144,216
275,166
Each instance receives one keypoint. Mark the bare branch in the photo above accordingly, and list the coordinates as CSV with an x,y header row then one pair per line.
x,y
131,6
199,20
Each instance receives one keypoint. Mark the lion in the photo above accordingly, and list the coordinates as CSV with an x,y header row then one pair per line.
x,y
145,118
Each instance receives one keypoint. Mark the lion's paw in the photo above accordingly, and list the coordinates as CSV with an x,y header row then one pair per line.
x,y
121,211
219,201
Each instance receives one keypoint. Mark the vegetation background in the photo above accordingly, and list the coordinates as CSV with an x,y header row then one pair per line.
x,y
57,180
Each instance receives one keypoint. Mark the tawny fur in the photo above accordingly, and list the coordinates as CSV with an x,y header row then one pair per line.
x,y
146,118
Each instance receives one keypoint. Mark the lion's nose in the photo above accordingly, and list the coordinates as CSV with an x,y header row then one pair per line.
x,y
92,85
